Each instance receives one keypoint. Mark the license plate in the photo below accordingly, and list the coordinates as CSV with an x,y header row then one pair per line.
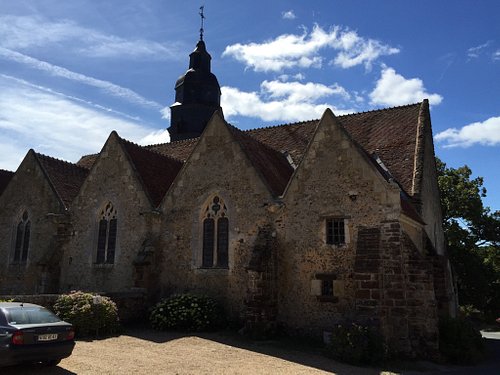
x,y
47,337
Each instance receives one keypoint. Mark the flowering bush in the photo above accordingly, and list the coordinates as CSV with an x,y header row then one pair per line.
x,y
89,313
186,312
356,344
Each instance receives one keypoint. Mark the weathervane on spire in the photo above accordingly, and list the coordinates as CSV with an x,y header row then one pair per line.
x,y
202,18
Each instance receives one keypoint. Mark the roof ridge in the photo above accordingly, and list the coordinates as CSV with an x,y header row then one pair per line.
x,y
88,155
148,150
245,133
60,161
338,116
381,109
171,142
280,125
265,159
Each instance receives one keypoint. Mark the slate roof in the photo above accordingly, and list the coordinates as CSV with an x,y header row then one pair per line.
x,y
66,178
156,171
5,177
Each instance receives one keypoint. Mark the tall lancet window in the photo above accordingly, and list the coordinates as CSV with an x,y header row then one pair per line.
x,y
215,234
23,232
106,238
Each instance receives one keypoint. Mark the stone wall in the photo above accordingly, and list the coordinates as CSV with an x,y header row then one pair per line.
x,y
217,167
261,301
335,179
112,179
30,191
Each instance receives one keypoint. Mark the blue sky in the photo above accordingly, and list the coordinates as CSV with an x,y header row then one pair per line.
x,y
72,71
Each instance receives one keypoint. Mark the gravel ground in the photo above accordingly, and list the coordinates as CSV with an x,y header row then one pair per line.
x,y
144,351
150,352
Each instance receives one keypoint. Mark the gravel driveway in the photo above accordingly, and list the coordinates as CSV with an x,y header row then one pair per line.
x,y
144,351
151,352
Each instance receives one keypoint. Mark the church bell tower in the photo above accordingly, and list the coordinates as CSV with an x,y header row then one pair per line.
x,y
197,95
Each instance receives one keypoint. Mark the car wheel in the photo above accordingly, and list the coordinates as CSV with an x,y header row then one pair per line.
x,y
52,362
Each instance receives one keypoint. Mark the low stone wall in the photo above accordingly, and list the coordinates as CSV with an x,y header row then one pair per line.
x,y
132,306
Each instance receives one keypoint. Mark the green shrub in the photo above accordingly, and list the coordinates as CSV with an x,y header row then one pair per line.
x,y
7,300
356,344
186,312
460,342
90,314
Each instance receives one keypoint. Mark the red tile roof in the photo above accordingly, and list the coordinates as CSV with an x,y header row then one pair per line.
x,y
390,133
5,177
271,164
291,138
179,150
156,171
87,161
66,178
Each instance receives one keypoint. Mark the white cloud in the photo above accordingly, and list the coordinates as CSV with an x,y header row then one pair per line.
x,y
496,55
485,133
302,51
295,92
475,52
393,89
155,137
56,125
360,51
288,15
58,71
281,101
23,32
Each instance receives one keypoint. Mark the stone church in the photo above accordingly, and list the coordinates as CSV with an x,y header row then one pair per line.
x,y
297,226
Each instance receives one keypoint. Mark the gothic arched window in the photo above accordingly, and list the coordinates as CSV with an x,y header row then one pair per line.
x,y
23,232
106,237
215,234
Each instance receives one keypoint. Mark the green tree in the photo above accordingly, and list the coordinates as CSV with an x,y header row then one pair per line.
x,y
473,237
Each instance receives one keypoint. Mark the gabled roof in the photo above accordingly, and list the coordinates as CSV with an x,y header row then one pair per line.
x,y
179,150
87,161
391,133
290,138
271,164
5,177
156,171
66,178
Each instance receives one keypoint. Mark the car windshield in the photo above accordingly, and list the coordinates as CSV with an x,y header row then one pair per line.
x,y
30,315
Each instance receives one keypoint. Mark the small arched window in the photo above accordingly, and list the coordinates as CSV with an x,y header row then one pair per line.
x,y
23,232
215,234
106,237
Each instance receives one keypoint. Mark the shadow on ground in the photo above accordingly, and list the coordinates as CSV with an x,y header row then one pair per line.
x,y
302,352
310,353
30,369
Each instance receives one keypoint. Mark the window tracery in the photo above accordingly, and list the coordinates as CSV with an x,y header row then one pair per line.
x,y
106,237
23,233
215,234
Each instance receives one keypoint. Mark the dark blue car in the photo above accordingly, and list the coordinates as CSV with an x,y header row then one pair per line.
x,y
31,333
